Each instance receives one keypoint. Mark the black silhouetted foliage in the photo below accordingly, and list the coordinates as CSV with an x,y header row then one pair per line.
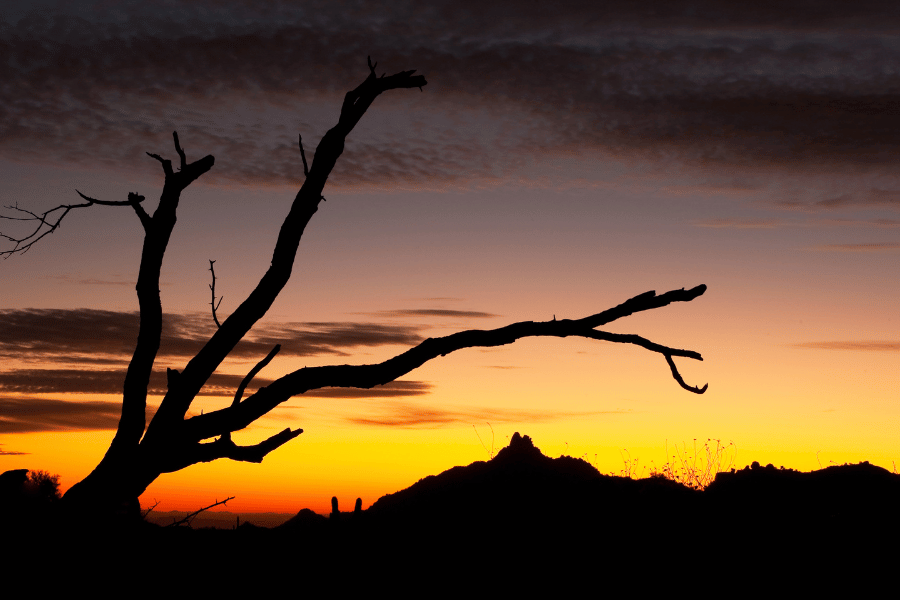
x,y
42,487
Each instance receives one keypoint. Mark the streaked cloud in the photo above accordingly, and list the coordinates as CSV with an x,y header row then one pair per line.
x,y
32,415
887,223
72,280
48,381
11,452
389,390
400,414
875,247
856,345
722,223
51,334
871,198
433,312
84,381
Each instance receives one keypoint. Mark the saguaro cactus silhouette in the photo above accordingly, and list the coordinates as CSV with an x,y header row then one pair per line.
x,y
140,453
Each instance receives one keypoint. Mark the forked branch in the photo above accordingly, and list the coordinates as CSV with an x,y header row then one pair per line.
x,y
367,376
224,447
48,222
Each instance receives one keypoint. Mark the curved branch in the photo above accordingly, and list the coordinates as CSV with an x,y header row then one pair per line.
x,y
367,376
677,376
637,340
253,372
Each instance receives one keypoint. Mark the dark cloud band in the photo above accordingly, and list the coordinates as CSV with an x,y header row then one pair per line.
x,y
696,81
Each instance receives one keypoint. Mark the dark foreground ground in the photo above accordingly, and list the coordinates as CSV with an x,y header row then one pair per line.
x,y
521,521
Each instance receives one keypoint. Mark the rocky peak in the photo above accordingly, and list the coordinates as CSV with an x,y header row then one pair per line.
x,y
520,447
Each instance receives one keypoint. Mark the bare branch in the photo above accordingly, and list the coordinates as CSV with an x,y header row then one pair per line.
x,y
146,512
22,245
253,372
212,288
166,164
180,152
187,520
135,200
248,378
628,338
677,376
132,199
367,376
303,156
225,448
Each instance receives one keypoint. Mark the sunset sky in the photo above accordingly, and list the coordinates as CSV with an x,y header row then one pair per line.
x,y
563,158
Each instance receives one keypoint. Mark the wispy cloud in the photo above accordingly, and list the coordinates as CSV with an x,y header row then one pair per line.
x,y
856,345
874,247
11,452
400,414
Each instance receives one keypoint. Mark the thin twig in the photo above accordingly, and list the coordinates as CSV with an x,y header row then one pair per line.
x,y
22,245
212,288
187,520
149,510
482,442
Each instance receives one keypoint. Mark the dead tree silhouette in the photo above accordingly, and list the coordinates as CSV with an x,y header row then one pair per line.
x,y
139,453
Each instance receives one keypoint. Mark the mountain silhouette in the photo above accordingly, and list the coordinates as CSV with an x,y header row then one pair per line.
x,y
522,488
527,517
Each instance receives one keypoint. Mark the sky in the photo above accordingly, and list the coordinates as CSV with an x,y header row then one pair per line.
x,y
562,158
